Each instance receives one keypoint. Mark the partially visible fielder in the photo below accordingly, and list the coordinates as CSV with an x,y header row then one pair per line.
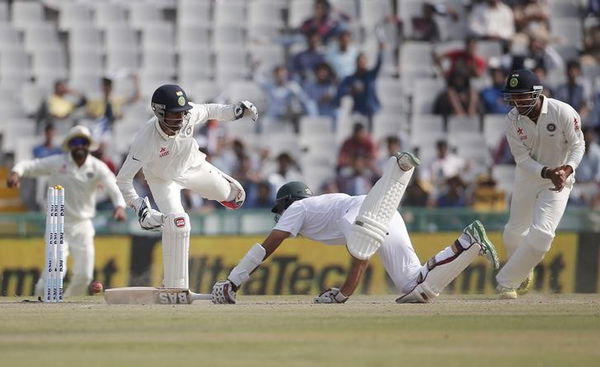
x,y
545,138
366,224
80,174
166,150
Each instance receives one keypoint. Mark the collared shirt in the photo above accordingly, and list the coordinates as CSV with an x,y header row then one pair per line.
x,y
318,218
167,157
492,21
555,140
80,183
344,63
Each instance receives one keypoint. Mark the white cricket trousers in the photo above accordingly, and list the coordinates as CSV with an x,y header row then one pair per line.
x,y
79,243
203,179
535,212
396,252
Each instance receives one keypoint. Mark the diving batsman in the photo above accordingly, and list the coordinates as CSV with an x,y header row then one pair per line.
x,y
366,225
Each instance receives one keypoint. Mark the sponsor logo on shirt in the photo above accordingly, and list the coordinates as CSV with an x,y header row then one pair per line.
x,y
163,151
576,123
521,133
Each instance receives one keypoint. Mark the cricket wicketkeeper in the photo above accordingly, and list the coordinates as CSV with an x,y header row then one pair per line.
x,y
170,157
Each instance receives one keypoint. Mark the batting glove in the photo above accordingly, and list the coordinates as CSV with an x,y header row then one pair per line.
x,y
245,109
332,295
223,292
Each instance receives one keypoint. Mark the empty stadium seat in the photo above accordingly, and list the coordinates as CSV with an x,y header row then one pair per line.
x,y
74,15
494,127
423,126
27,13
229,13
108,15
141,14
460,124
299,11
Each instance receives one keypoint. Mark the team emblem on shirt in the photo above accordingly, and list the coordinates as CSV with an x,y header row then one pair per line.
x,y
163,151
89,175
551,127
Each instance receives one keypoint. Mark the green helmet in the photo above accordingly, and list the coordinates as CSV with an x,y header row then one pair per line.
x,y
288,193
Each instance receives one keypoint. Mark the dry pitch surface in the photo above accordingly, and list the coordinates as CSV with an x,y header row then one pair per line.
x,y
535,330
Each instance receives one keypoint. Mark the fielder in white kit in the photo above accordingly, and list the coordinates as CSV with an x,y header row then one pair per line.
x,y
80,174
170,157
546,141
365,224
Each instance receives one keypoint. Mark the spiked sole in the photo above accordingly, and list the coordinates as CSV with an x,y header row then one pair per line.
x,y
486,244
526,285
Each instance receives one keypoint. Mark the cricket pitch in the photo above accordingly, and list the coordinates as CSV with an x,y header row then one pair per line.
x,y
534,330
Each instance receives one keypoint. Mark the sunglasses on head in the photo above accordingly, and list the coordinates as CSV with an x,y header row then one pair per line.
x,y
80,141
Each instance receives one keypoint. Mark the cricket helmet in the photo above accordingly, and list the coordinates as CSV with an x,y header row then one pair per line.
x,y
170,98
288,193
522,90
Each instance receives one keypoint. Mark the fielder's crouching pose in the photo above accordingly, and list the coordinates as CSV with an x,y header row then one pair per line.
x,y
366,224
545,138
168,153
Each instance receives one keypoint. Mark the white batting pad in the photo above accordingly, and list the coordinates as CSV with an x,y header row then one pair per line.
x,y
439,271
176,246
371,224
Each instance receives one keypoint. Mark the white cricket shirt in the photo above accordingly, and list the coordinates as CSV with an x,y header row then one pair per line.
x,y
319,217
167,157
554,141
80,183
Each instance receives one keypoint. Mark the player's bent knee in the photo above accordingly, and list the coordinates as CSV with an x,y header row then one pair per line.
x,y
539,240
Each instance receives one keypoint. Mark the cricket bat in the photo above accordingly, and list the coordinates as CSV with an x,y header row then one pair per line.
x,y
152,296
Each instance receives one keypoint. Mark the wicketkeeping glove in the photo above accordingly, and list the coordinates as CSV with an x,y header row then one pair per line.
x,y
245,109
149,219
332,295
223,292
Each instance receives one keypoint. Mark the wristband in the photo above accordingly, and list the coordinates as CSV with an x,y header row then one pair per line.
x,y
544,171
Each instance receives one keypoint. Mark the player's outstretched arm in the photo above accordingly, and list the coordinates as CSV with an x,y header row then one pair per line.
x,y
224,291
341,295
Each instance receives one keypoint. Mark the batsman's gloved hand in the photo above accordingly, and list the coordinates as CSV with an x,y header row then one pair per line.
x,y
245,109
332,295
223,292
149,219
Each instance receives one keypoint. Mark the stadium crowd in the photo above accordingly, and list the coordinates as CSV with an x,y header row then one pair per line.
x,y
340,85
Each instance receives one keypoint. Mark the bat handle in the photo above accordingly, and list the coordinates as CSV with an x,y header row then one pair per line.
x,y
200,296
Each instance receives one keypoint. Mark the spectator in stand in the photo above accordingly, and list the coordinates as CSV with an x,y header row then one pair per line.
x,y
47,148
595,114
487,196
502,154
454,195
459,98
361,86
392,145
492,20
416,194
60,106
304,62
542,74
587,175
532,15
425,28
287,170
323,92
342,56
591,43
538,53
108,108
356,178
444,166
359,143
263,198
247,176
573,91
100,153
325,20
492,98
463,60
285,100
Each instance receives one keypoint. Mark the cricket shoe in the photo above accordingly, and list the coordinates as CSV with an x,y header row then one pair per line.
x,y
407,160
526,284
506,293
475,232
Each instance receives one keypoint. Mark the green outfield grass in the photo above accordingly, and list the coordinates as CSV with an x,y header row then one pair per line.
x,y
535,330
